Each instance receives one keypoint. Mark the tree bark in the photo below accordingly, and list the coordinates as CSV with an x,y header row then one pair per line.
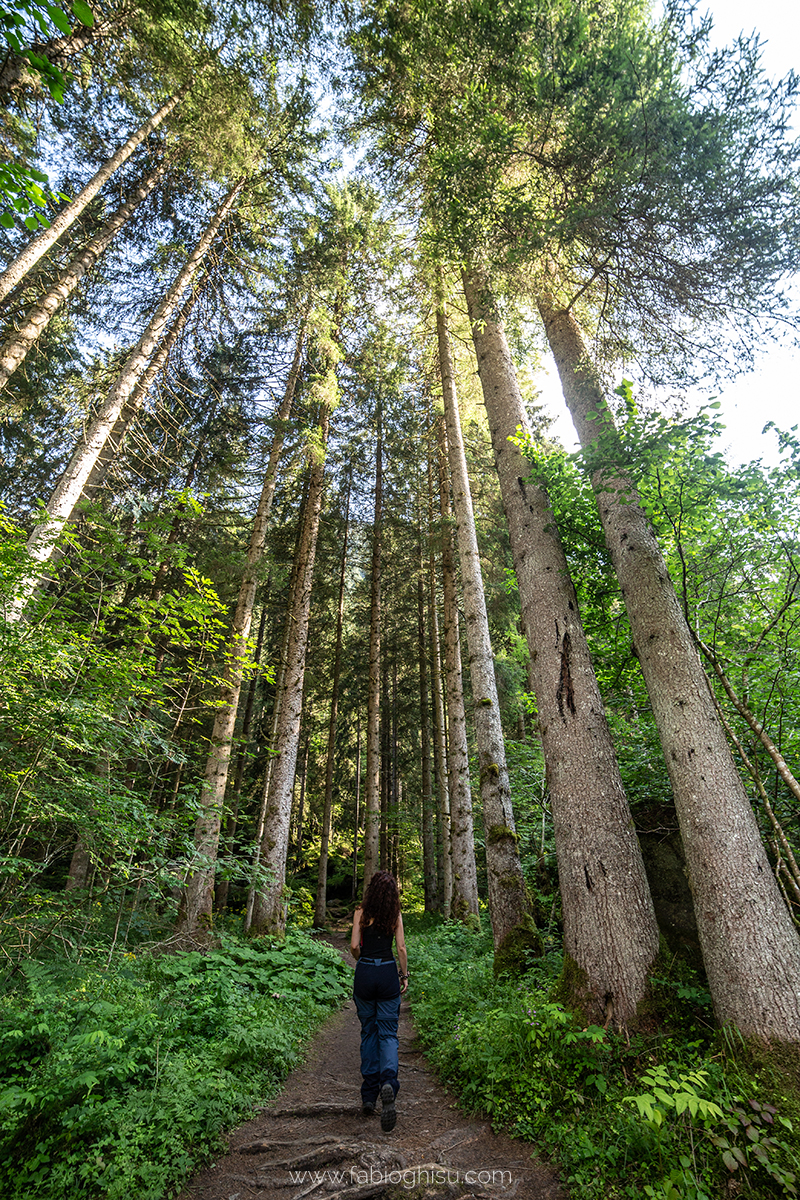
x,y
269,908
13,353
39,245
372,788
512,928
610,932
386,762
750,947
301,803
280,678
465,875
68,491
357,814
445,859
395,784
221,886
428,809
134,402
196,913
322,873
80,867
17,74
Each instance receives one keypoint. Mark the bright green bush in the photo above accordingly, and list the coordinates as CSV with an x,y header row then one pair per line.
x,y
666,1117
117,1083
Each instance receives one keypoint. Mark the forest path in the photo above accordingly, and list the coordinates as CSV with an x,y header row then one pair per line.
x,y
313,1143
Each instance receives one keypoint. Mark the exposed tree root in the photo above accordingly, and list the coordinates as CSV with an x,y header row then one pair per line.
x,y
265,1147
317,1158
313,1110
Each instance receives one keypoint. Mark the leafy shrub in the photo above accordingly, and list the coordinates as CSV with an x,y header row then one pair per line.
x,y
661,1117
117,1083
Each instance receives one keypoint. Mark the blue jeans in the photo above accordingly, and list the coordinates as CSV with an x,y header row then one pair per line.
x,y
376,992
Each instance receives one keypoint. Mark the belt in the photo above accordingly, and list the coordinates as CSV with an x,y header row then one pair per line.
x,y
376,962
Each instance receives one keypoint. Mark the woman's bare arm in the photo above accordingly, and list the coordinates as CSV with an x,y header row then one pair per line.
x,y
355,936
402,954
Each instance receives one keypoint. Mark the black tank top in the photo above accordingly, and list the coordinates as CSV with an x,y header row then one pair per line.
x,y
375,944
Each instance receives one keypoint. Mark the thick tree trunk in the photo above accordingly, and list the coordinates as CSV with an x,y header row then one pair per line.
x,y
372,799
445,859
39,245
322,872
68,491
196,913
750,947
610,932
428,808
465,875
38,318
512,928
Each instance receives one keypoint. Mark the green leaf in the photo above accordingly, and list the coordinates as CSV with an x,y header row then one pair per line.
x,y
7,220
32,223
59,19
83,13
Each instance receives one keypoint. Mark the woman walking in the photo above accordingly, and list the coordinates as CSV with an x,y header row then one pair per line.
x,y
377,990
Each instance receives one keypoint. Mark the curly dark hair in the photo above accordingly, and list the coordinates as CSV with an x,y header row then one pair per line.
x,y
381,906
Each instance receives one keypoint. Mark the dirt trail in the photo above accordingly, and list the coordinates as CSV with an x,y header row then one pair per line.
x,y
312,1142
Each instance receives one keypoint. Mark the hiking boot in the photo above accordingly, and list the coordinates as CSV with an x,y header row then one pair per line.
x,y
388,1110
368,1107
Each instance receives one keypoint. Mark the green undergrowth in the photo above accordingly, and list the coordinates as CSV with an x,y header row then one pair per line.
x,y
670,1115
118,1082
